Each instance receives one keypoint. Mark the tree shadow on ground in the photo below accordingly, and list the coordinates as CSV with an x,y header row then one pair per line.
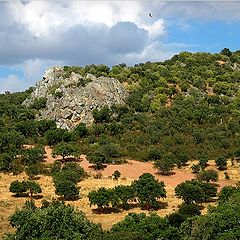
x,y
71,159
34,178
25,195
165,175
96,169
37,197
160,205
107,210
63,199
129,206
20,195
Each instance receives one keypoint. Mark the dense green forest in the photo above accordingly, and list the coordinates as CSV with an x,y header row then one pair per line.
x,y
184,108
178,110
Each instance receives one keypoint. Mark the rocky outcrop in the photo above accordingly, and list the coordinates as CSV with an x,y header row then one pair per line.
x,y
70,100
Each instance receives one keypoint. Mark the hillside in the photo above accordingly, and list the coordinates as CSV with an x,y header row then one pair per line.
x,y
180,116
189,103
70,97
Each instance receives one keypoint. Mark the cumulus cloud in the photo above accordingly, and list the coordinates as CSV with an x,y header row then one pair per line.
x,y
126,37
11,83
201,10
32,71
38,34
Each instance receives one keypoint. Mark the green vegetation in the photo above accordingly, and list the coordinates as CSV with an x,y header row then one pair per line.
x,y
221,162
165,165
52,221
193,191
146,190
187,106
39,103
184,108
208,175
66,178
55,220
64,150
22,187
116,175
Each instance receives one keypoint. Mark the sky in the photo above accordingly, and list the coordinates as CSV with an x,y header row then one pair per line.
x,y
35,35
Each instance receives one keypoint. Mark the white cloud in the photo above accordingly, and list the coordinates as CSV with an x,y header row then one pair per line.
x,y
201,10
42,16
156,29
37,34
32,71
11,83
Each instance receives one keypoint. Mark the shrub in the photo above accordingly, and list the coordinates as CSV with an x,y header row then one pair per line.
x,y
165,165
208,175
68,189
18,187
221,162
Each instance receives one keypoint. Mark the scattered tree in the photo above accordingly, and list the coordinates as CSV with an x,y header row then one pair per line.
x,y
208,175
33,188
67,189
64,150
148,190
190,192
165,165
18,187
125,194
100,197
98,158
116,175
221,163
33,170
24,186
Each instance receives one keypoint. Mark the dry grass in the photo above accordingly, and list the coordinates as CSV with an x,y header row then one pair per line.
x,y
9,204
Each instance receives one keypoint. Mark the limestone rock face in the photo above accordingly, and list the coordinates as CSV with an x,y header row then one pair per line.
x,y
71,99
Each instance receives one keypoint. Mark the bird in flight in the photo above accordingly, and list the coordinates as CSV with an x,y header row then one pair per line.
x,y
150,15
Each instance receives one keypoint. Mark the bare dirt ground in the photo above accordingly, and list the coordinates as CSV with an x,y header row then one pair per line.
x,y
134,169
129,172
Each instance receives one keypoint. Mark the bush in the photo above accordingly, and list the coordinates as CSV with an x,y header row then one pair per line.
x,y
208,175
165,165
195,168
226,193
39,103
68,189
18,187
53,220
149,190
221,162
116,175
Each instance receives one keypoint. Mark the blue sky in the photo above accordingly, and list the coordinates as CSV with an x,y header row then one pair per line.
x,y
210,36
36,35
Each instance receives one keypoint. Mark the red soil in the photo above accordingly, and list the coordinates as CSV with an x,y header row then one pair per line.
x,y
133,169
48,155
